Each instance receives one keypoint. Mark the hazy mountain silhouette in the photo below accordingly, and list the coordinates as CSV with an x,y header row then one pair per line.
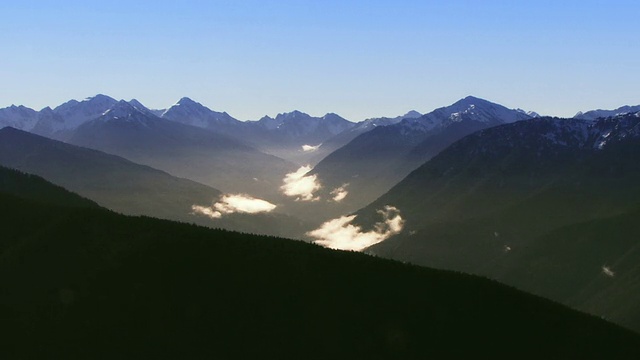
x,y
123,186
183,150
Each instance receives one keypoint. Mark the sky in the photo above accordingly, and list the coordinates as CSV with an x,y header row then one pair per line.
x,y
359,59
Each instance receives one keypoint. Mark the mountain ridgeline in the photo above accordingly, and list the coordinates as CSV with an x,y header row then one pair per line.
x,y
96,284
283,136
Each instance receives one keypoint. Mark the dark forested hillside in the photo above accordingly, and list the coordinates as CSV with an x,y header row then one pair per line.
x,y
88,283
35,188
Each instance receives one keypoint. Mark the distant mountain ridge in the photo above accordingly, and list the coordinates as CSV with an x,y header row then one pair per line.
x,y
343,138
595,114
295,135
281,136
183,150
189,112
19,117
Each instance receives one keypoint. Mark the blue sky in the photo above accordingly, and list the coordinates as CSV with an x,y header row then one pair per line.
x,y
359,59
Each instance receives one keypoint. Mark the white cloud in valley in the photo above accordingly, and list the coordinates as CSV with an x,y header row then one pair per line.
x,y
310,148
341,234
234,203
301,186
340,193
206,211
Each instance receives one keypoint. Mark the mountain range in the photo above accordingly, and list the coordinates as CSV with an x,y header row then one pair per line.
x,y
285,136
183,150
543,204
595,114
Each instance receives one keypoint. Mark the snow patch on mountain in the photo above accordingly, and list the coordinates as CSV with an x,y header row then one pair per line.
x,y
532,114
607,271
125,112
605,131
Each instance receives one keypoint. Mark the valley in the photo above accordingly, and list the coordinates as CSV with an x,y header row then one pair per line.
x,y
546,205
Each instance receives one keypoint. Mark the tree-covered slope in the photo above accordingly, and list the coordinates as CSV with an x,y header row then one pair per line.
x,y
33,187
88,283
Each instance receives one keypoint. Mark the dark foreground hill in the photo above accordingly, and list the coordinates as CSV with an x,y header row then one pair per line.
x,y
35,188
88,283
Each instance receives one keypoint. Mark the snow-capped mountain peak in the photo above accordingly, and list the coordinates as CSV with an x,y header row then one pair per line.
x,y
468,109
185,101
75,113
533,114
138,105
121,108
19,117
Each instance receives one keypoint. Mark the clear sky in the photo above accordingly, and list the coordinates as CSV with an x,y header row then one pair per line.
x,y
359,59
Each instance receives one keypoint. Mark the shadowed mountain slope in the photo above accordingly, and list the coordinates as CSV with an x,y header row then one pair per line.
x,y
377,160
500,193
127,187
